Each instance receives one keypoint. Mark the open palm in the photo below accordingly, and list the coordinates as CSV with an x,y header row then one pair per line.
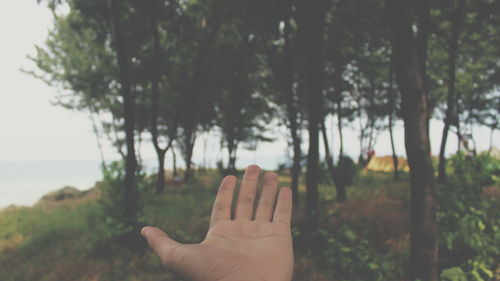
x,y
245,248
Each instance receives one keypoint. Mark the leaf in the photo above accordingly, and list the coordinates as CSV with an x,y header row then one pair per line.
x,y
453,274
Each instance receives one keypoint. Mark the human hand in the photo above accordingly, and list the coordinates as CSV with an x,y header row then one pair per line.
x,y
239,249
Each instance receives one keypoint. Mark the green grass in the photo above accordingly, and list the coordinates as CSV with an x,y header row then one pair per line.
x,y
367,235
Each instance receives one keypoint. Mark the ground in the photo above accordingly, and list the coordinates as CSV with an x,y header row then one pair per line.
x,y
66,239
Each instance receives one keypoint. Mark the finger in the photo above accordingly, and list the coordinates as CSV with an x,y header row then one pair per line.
x,y
267,199
283,210
161,244
246,196
222,205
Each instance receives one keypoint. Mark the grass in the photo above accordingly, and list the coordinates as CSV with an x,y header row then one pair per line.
x,y
64,241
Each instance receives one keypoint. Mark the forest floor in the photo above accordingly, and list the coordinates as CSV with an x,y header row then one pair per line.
x,y
66,240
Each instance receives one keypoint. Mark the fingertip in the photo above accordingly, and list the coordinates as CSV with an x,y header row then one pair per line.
x,y
253,169
286,192
230,178
150,231
270,176
144,230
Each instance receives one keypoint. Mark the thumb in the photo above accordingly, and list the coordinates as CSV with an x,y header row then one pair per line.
x,y
162,245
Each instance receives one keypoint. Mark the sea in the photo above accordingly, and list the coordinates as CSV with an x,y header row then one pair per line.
x,y
24,183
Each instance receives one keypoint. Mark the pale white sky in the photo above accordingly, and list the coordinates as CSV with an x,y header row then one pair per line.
x,y
31,129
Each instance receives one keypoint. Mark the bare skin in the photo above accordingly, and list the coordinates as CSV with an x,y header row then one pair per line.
x,y
246,248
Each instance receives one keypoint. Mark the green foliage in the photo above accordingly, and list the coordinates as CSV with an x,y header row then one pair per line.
x,y
350,256
469,227
453,274
110,215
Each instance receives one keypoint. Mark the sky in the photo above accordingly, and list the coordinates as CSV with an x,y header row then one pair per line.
x,y
32,129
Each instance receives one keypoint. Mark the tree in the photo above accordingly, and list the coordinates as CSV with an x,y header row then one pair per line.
x,y
311,28
409,60
156,74
120,45
280,54
196,102
457,19
76,59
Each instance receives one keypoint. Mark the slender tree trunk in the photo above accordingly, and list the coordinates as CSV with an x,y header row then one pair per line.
x,y
130,192
450,110
423,24
312,27
231,161
341,134
341,192
423,230
392,105
395,160
160,177
492,131
371,139
174,163
297,156
291,106
138,150
205,146
361,158
188,157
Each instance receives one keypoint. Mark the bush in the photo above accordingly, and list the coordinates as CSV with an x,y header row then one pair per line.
x,y
349,256
110,218
346,171
469,236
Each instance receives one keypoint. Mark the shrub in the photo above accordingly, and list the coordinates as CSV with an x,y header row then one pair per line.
x,y
346,171
469,236
349,256
110,219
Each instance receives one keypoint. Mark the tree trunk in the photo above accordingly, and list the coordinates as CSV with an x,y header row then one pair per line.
x,y
423,230
138,150
188,155
297,155
160,177
395,160
232,147
130,192
341,192
291,107
312,28
392,105
450,110
205,146
423,26
232,162
174,164
339,125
